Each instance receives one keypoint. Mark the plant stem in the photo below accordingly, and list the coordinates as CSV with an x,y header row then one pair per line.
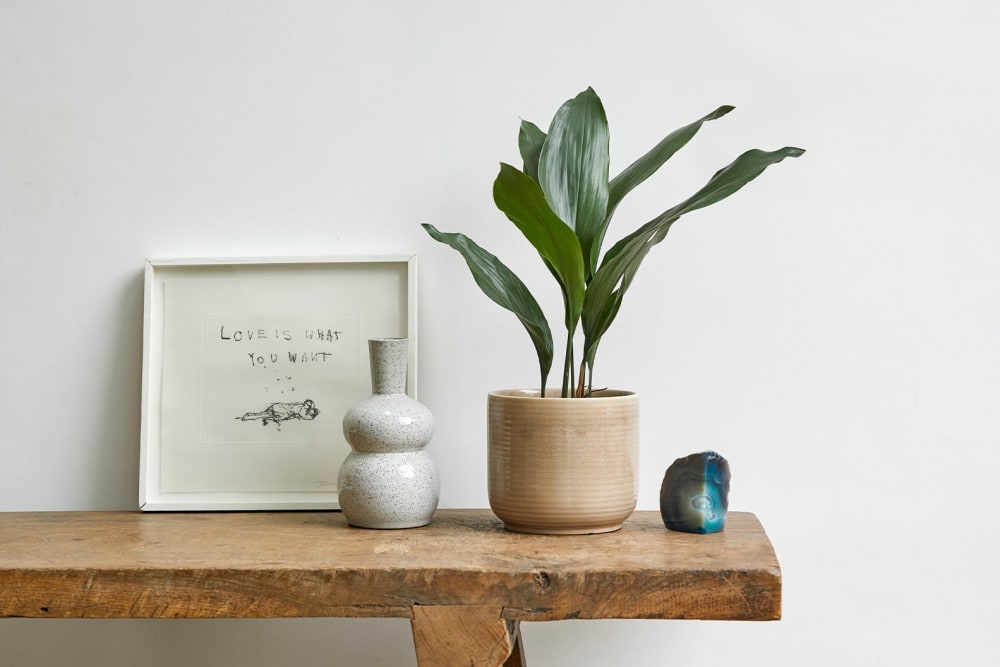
x,y
580,381
568,365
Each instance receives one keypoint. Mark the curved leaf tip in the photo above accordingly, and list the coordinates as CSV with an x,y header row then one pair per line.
x,y
720,112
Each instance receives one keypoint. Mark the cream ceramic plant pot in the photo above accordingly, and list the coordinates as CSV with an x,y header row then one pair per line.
x,y
563,465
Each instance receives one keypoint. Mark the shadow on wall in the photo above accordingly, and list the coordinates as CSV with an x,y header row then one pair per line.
x,y
114,473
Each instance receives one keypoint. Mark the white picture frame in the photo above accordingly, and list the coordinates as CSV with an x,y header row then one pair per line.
x,y
248,367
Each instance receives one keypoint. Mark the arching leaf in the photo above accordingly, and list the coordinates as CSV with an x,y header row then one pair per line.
x,y
521,199
530,139
622,261
505,289
648,164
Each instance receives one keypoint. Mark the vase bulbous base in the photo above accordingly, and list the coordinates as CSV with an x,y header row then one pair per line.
x,y
388,490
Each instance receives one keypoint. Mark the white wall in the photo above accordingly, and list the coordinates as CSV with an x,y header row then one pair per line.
x,y
832,329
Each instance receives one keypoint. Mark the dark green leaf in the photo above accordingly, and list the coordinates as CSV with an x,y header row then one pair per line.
x,y
521,199
612,280
573,169
648,164
622,261
731,178
501,285
529,142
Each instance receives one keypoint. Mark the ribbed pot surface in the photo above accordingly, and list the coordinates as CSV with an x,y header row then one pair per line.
x,y
563,465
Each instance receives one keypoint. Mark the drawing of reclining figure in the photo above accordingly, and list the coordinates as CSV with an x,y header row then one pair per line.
x,y
282,412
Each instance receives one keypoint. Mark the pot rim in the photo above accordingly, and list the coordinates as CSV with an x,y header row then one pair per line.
x,y
533,394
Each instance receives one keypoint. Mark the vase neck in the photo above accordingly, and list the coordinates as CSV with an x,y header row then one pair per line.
x,y
389,358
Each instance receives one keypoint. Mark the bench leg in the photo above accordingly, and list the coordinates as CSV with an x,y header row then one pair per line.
x,y
466,636
516,658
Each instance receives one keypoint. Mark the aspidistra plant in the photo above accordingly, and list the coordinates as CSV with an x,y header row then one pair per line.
x,y
562,201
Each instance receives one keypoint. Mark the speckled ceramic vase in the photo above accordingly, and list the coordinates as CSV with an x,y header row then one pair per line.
x,y
388,481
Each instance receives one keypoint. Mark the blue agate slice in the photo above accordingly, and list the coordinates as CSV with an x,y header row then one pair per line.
x,y
694,496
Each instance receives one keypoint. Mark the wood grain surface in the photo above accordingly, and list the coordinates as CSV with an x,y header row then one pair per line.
x,y
294,564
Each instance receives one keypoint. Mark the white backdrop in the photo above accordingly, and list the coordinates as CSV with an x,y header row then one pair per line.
x,y
832,329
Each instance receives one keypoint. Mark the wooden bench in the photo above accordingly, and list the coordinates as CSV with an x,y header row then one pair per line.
x,y
464,582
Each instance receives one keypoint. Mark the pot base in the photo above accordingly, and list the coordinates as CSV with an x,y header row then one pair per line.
x,y
538,530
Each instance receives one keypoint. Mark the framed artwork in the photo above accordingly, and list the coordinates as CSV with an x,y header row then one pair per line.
x,y
248,368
